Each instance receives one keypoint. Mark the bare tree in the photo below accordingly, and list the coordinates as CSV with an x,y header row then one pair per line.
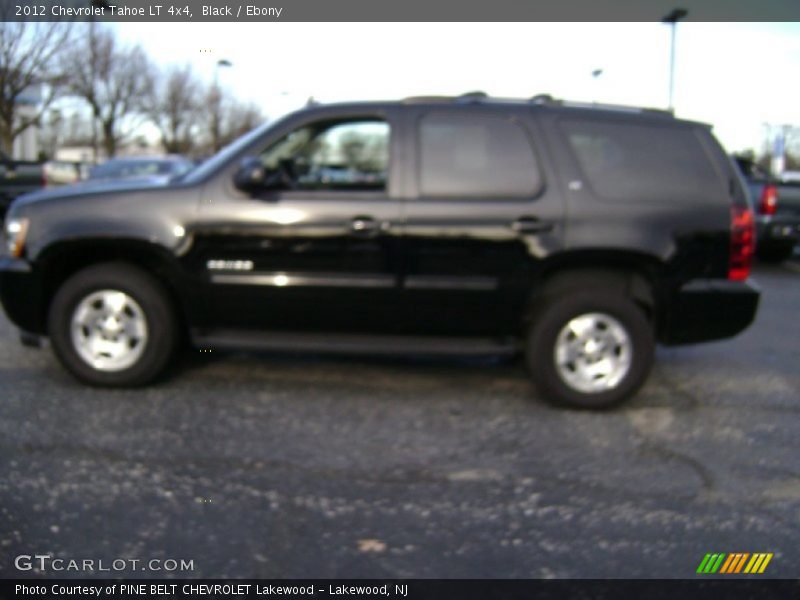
x,y
114,81
239,118
51,132
174,105
226,118
78,130
27,50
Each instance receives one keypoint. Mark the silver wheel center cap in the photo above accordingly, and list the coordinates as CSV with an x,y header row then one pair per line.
x,y
593,353
591,346
109,330
111,326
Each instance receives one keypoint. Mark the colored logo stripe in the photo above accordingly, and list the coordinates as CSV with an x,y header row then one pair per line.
x,y
710,563
758,563
727,564
735,563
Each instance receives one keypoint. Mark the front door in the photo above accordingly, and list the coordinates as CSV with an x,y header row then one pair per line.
x,y
316,249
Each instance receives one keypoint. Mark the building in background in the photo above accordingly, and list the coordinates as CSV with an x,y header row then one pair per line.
x,y
778,150
26,144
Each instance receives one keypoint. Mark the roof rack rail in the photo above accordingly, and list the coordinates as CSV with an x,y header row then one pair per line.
x,y
617,107
473,96
544,99
465,97
548,100
426,99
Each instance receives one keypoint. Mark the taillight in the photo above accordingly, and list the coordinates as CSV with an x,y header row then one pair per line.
x,y
768,201
743,243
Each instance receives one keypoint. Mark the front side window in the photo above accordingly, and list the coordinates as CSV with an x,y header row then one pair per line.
x,y
333,155
463,155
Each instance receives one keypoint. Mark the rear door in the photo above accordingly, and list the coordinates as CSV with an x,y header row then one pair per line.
x,y
481,212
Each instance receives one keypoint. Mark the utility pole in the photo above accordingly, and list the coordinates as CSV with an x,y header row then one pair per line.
x,y
216,106
93,46
672,20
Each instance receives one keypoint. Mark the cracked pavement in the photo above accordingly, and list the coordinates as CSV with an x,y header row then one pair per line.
x,y
263,465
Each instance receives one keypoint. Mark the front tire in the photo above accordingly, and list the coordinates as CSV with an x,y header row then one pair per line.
x,y
112,325
589,350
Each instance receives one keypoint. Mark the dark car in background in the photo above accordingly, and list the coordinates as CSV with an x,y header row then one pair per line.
x,y
142,167
579,235
777,210
61,172
18,177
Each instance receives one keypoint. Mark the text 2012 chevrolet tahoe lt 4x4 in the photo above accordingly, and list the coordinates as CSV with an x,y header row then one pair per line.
x,y
581,235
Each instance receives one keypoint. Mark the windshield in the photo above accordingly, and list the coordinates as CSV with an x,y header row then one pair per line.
x,y
223,156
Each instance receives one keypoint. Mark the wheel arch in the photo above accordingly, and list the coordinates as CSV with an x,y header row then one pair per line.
x,y
59,261
634,274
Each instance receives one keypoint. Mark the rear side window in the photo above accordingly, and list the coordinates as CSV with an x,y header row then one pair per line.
x,y
475,155
643,163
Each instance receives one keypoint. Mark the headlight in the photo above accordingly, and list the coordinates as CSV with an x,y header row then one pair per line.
x,y
15,232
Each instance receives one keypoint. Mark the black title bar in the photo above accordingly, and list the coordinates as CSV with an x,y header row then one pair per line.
x,y
407,10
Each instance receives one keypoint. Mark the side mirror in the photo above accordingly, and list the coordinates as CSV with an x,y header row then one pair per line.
x,y
251,174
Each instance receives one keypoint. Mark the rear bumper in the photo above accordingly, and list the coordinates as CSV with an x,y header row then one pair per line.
x,y
21,294
779,229
702,310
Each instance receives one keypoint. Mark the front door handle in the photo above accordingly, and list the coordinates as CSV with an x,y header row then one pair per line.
x,y
365,226
528,225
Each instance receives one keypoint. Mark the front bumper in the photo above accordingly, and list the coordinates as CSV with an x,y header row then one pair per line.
x,y
702,310
21,294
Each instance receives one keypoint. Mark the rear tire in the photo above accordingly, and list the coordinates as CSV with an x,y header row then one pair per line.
x,y
112,325
589,350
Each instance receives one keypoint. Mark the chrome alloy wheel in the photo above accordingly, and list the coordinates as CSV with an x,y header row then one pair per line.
x,y
109,330
593,352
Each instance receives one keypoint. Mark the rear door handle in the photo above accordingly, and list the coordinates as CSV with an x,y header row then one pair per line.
x,y
530,225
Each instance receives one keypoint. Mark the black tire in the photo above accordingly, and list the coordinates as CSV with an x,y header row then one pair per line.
x,y
774,252
553,314
155,305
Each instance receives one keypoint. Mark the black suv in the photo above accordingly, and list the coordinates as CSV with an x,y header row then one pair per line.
x,y
579,234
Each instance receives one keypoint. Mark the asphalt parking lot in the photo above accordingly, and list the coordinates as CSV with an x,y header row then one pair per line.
x,y
279,466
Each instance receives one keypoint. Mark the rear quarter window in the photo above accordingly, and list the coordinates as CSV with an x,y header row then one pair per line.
x,y
643,163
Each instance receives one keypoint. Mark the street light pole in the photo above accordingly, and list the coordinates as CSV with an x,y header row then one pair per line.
x,y
216,106
102,4
672,19
596,77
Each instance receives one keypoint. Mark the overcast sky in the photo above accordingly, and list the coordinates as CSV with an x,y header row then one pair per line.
x,y
737,76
